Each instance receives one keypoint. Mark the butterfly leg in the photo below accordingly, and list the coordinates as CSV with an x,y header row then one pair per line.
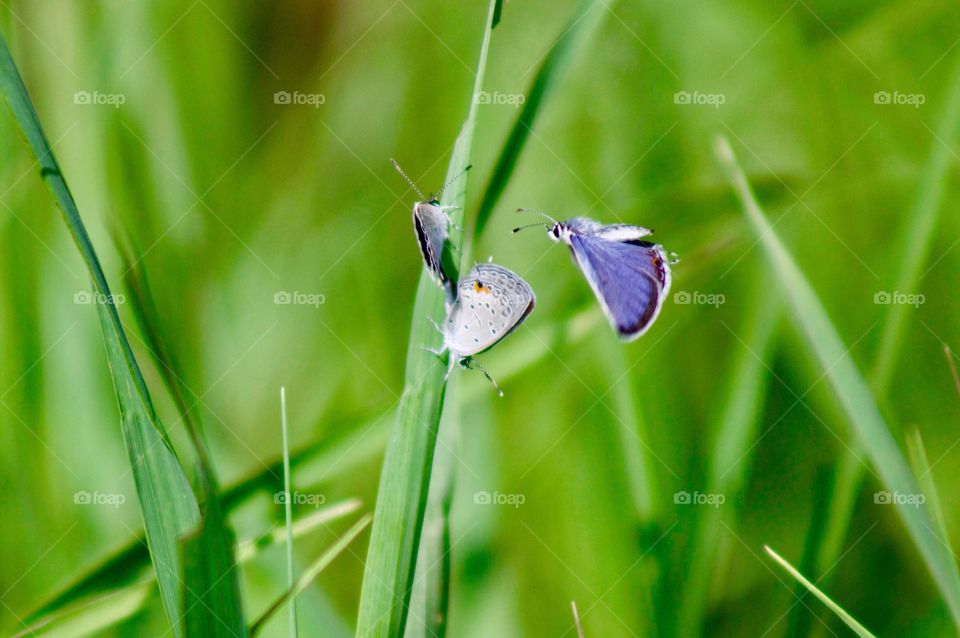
x,y
469,364
445,210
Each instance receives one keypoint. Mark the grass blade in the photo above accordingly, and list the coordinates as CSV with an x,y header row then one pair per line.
x,y
166,501
311,573
210,588
288,508
923,471
431,587
850,388
849,620
405,478
583,21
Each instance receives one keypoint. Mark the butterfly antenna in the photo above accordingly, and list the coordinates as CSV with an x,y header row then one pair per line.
x,y
540,224
404,175
452,180
537,212
487,375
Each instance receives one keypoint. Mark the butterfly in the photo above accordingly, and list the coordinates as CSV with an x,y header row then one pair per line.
x,y
431,226
492,302
629,275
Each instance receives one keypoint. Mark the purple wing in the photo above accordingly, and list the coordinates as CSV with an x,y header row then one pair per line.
x,y
630,279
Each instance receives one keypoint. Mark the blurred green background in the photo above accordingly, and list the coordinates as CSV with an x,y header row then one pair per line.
x,y
173,129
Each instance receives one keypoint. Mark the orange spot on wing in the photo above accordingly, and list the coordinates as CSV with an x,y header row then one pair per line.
x,y
479,287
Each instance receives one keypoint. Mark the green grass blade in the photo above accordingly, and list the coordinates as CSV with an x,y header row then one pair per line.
x,y
921,467
311,573
210,587
405,478
288,508
431,588
850,388
583,21
849,620
166,501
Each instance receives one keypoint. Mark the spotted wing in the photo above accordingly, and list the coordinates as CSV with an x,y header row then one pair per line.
x,y
630,279
491,303
430,224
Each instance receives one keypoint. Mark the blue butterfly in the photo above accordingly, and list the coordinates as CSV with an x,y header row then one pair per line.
x,y
629,276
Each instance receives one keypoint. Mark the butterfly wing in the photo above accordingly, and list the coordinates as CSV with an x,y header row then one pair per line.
x,y
491,303
430,224
630,279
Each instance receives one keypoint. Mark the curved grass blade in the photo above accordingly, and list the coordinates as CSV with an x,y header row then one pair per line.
x,y
849,620
850,388
583,21
168,505
311,573
405,478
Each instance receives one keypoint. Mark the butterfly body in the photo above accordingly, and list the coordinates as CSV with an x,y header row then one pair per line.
x,y
431,226
629,276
